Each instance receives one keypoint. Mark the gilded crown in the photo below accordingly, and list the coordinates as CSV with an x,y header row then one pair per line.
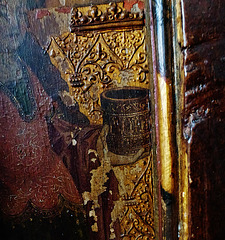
x,y
112,17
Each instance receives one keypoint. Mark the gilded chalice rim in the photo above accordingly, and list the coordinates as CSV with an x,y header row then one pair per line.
x,y
103,94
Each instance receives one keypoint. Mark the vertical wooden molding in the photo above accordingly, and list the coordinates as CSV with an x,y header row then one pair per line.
x,y
183,168
164,117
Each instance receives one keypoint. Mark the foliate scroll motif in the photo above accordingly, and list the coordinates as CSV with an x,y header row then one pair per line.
x,y
124,44
136,212
66,52
94,62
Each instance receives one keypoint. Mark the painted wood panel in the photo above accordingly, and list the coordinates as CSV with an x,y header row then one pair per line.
x,y
76,160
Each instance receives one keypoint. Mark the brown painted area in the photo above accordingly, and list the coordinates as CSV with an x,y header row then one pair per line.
x,y
204,20
128,4
42,13
63,10
204,116
204,81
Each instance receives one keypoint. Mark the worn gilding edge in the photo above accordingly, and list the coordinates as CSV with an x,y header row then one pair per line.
x,y
165,138
183,166
106,26
156,171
